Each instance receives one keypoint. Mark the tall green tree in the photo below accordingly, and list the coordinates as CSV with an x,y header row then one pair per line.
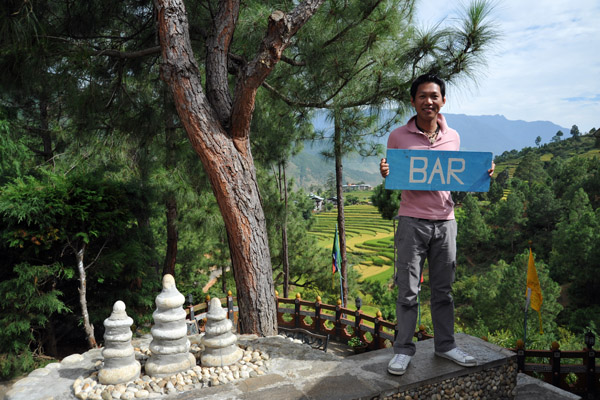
x,y
74,215
386,201
575,132
531,168
473,232
217,122
558,136
273,151
574,259
508,218
495,300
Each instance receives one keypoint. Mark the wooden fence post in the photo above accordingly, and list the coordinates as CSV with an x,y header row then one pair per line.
x,y
556,364
520,356
377,330
297,311
318,314
590,361
338,320
357,319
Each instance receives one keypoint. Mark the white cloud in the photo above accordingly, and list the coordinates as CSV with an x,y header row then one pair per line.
x,y
546,67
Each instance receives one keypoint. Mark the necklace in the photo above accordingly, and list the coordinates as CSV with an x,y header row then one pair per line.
x,y
431,135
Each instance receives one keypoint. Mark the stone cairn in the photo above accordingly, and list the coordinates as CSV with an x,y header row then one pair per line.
x,y
170,346
220,348
120,365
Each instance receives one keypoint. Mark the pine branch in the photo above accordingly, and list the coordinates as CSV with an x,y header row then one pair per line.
x,y
366,14
128,54
281,28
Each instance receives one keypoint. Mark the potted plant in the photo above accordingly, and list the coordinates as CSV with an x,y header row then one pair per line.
x,y
357,344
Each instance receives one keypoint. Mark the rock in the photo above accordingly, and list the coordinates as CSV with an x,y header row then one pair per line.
x,y
169,346
220,344
120,365
128,396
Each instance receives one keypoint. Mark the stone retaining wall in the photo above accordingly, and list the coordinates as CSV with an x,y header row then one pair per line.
x,y
494,383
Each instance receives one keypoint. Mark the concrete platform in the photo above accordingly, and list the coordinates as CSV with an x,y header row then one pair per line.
x,y
361,376
297,371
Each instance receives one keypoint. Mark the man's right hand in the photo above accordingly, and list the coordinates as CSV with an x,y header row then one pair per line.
x,y
384,167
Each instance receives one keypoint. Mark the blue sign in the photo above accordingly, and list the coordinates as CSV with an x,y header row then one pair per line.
x,y
459,171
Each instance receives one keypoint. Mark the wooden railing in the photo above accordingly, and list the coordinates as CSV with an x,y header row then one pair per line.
x,y
581,377
341,324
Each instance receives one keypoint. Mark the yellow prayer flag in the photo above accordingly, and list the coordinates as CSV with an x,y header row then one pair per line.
x,y
533,283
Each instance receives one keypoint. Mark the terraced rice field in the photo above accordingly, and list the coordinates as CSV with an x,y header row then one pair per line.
x,y
368,237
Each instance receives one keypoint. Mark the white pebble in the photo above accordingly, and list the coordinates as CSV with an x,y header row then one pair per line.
x,y
127,396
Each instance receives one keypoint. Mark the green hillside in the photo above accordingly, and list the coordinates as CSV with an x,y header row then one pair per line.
x,y
369,238
548,196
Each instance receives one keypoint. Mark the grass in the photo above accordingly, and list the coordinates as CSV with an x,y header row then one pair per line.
x,y
369,238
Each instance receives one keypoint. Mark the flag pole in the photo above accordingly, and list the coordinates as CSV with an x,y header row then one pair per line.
x,y
341,288
527,299
335,257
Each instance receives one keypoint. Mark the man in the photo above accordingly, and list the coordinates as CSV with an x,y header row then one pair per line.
x,y
426,230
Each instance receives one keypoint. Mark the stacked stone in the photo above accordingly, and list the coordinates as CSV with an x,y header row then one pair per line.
x,y
120,365
220,348
170,346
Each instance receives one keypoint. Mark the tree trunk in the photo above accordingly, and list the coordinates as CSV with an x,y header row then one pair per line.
x,y
45,131
172,235
337,143
88,327
230,169
284,241
170,202
218,127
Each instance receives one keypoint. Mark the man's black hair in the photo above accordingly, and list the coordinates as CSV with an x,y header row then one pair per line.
x,y
426,78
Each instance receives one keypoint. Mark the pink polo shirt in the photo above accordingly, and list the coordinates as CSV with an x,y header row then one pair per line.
x,y
435,205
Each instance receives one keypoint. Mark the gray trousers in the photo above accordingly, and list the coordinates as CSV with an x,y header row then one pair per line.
x,y
418,240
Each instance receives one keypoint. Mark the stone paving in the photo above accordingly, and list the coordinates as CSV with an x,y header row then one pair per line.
x,y
296,371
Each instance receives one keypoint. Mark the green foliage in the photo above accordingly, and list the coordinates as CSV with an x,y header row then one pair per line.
x,y
29,302
575,132
350,200
16,157
495,299
386,201
45,220
383,297
531,168
473,233
574,259
355,342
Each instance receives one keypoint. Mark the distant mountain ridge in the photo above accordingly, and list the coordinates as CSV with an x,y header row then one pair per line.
x,y
497,134
494,133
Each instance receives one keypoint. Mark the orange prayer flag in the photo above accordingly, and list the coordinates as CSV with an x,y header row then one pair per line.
x,y
533,283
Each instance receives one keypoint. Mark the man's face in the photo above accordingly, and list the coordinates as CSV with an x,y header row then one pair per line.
x,y
428,101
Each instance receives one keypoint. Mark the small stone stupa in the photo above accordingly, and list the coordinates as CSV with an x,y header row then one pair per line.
x,y
220,348
120,365
170,346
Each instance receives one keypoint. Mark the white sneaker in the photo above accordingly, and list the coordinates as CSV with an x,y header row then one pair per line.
x,y
458,356
398,364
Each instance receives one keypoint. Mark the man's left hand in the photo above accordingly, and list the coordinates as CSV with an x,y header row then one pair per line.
x,y
491,170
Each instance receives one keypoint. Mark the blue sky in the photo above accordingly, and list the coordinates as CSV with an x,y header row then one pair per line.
x,y
546,65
